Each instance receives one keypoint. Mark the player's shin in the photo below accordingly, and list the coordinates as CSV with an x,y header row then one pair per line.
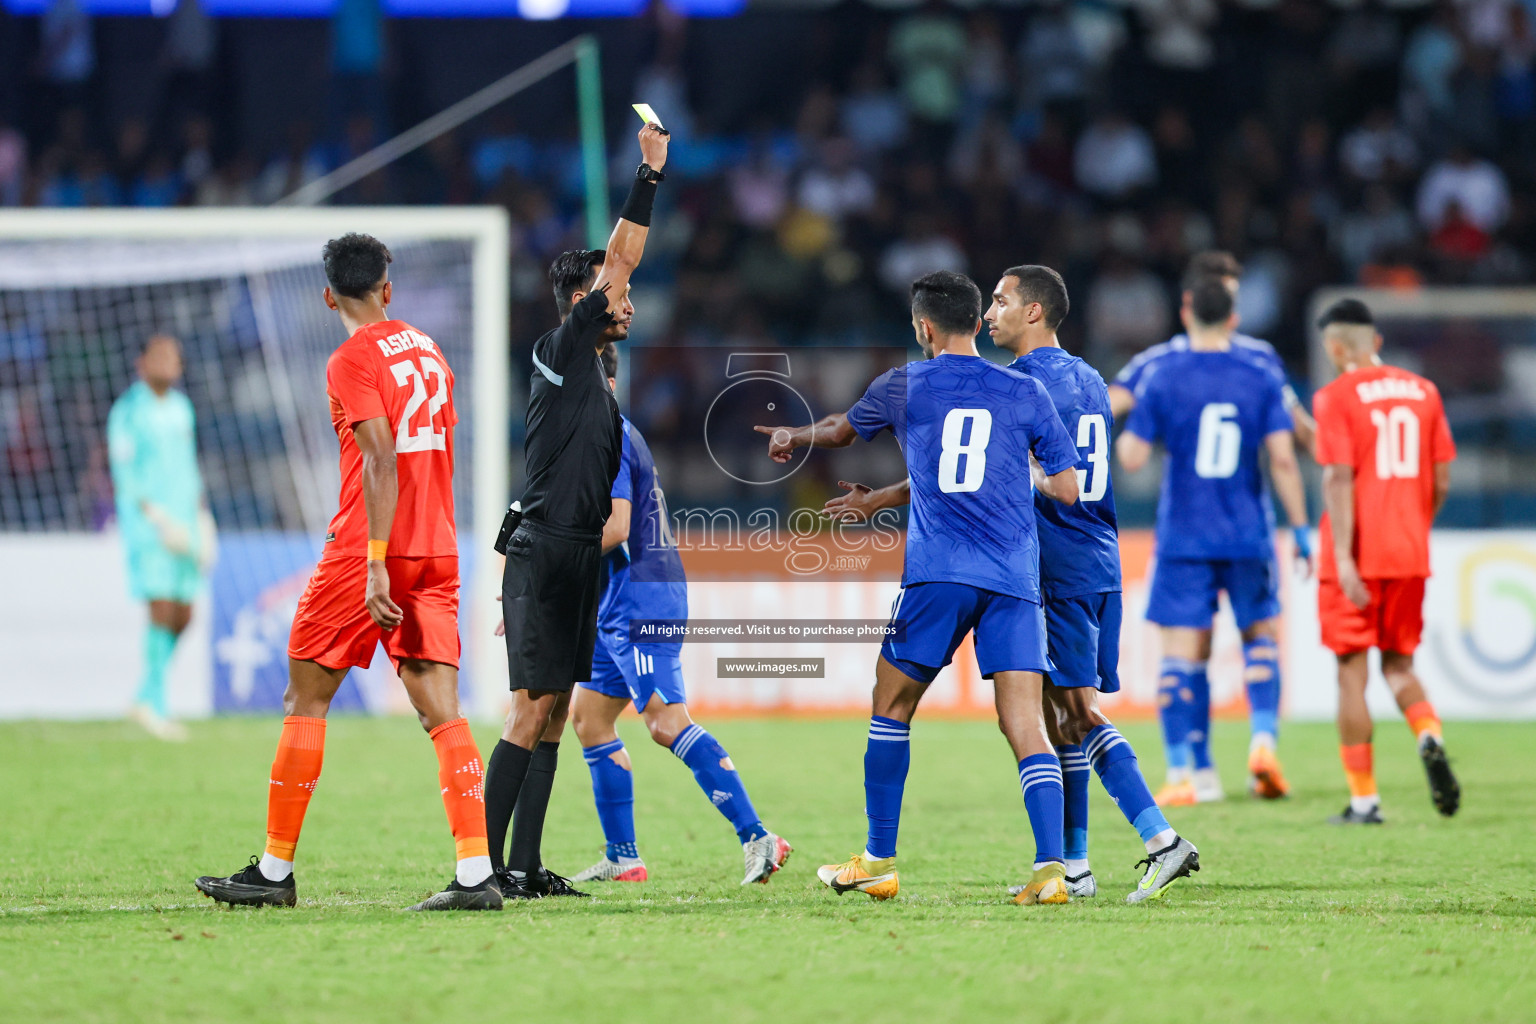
x,y
1044,801
295,773
887,755
461,777
613,790
504,777
159,645
1359,770
717,777
1174,700
1261,676
1199,711
1115,762
532,806
1074,780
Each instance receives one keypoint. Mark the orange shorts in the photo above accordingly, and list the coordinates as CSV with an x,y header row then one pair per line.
x,y
333,628
1393,621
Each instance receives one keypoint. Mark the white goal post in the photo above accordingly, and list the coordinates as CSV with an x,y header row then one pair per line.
x,y
82,288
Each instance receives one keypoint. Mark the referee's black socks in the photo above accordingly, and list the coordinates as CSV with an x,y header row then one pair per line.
x,y
504,780
532,803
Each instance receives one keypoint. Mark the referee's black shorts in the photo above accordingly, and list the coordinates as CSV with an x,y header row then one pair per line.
x,y
549,595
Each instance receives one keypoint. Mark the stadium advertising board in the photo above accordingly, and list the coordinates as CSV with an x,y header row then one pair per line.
x,y
1478,659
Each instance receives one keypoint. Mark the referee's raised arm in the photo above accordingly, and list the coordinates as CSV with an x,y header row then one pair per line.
x,y
627,243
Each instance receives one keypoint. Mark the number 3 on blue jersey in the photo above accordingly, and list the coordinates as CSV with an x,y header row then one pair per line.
x,y
1220,442
1093,435
956,476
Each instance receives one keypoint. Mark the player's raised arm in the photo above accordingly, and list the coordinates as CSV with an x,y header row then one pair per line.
x,y
861,502
1286,474
381,491
627,243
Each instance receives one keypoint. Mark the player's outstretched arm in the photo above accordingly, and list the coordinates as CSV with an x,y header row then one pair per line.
x,y
1286,474
1133,451
627,243
616,529
1305,427
861,502
1339,499
828,432
381,492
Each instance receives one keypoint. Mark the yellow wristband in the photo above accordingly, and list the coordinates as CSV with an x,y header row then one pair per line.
x,y
378,550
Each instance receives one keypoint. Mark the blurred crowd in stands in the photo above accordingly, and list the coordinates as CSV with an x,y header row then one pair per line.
x,y
824,158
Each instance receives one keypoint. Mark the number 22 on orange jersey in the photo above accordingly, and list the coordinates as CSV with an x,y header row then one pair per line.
x,y
433,436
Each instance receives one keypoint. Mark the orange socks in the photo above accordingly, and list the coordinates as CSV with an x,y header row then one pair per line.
x,y
1359,770
295,771
461,775
1422,719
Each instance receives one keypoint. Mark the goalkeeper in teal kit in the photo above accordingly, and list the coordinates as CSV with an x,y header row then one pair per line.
x,y
160,509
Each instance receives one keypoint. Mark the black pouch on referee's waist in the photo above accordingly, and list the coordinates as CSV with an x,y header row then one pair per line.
x,y
509,526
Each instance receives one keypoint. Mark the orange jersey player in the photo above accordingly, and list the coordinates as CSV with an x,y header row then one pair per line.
x,y
389,572
1386,452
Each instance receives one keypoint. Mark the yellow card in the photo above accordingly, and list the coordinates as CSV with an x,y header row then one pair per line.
x,y
646,113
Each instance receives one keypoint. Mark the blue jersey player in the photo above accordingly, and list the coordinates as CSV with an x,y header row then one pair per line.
x,y
1214,409
644,580
1080,583
1211,263
967,428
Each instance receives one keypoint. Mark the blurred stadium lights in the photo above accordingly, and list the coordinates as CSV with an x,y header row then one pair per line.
x,y
541,10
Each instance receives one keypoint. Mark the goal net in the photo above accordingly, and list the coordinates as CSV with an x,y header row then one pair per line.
x,y
80,292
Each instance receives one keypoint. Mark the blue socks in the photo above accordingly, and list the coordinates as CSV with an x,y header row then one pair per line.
x,y
1175,699
716,776
1262,676
1115,762
1074,780
159,645
613,788
886,759
1044,800
1200,716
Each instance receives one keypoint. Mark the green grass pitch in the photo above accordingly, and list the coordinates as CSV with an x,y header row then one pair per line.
x,y
102,831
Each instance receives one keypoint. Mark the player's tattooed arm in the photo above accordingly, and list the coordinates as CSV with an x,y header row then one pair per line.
x,y
616,529
1133,451
381,493
861,502
828,432
1339,498
1286,474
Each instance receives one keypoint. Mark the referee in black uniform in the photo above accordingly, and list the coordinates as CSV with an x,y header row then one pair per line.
x,y
552,580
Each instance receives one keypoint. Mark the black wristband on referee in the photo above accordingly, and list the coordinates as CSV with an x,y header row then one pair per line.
x,y
637,208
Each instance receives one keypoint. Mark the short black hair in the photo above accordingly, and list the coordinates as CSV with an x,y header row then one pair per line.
x,y
951,301
1345,311
609,354
1045,286
355,264
1210,300
573,272
1210,263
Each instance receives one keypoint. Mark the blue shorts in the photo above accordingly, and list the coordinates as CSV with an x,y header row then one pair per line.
x,y
1010,631
623,669
155,574
1185,591
1083,638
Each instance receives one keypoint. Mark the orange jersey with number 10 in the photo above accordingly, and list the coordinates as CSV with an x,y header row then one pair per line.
x,y
1389,426
393,371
